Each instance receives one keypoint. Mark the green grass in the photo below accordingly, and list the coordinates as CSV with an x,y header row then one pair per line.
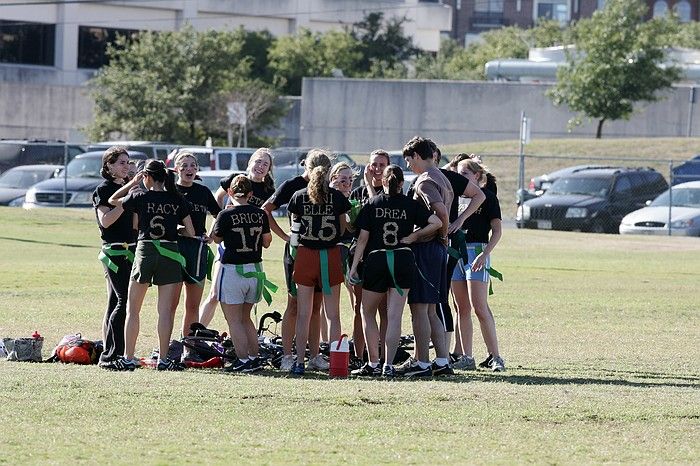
x,y
600,335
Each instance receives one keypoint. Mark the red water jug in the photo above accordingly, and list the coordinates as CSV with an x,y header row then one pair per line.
x,y
340,357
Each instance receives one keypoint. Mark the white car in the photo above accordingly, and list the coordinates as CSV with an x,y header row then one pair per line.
x,y
653,219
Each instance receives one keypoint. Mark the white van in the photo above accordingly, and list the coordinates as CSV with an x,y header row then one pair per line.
x,y
217,158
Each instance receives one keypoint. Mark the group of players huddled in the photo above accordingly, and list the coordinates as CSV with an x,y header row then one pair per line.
x,y
386,247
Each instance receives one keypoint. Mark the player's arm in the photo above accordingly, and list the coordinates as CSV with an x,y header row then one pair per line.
x,y
268,207
477,196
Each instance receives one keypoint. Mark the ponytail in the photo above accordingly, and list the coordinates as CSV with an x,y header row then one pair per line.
x,y
156,170
393,175
318,184
491,183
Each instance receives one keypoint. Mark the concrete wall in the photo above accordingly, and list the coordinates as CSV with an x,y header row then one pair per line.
x,y
43,111
361,115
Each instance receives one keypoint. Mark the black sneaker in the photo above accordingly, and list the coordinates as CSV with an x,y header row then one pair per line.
x,y
256,364
108,365
416,372
123,364
454,357
368,371
441,370
169,365
356,363
389,372
486,363
297,369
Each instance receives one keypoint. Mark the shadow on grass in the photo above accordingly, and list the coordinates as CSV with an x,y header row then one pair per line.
x,y
34,241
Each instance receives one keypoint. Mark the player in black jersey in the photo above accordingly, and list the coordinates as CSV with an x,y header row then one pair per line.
x,y
374,171
386,226
157,260
118,244
194,250
470,280
319,211
283,194
245,231
259,172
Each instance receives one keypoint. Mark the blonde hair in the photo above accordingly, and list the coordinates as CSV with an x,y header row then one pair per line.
x,y
317,164
339,167
480,170
183,155
269,179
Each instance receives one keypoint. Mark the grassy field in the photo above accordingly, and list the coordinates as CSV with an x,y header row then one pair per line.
x,y
600,335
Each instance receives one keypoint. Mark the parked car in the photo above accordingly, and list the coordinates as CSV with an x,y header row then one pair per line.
x,y
687,171
287,163
16,152
212,178
653,219
15,182
216,158
592,199
152,149
540,184
80,179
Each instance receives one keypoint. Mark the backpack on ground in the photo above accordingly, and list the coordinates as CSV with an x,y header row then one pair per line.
x,y
74,349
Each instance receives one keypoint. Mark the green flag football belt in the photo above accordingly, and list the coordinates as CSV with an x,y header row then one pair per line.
x,y
264,285
111,250
390,263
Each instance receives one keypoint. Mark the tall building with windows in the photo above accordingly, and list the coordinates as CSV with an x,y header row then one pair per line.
x,y
63,42
472,17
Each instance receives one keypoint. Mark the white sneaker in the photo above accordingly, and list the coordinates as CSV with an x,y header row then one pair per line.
x,y
318,362
287,362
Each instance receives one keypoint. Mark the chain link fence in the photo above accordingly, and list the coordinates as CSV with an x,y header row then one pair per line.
x,y
588,200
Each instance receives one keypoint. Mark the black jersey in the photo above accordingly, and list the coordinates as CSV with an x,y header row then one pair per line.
x,y
261,192
478,225
284,193
459,183
361,194
201,201
159,213
390,218
122,230
320,225
242,228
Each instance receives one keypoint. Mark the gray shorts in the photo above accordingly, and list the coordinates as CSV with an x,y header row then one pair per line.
x,y
153,268
235,289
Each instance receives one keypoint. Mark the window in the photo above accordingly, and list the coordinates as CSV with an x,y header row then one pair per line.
x,y
92,44
27,43
682,9
660,8
488,6
623,187
557,10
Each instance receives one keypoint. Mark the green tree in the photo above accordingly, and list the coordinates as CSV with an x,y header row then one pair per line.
x,y
312,54
616,63
164,85
383,46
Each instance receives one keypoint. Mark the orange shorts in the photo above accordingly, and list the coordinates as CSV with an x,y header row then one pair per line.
x,y
307,267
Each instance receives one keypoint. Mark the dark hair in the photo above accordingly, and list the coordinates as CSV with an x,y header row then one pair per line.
x,y
434,149
110,156
381,153
491,183
394,177
241,186
156,169
420,146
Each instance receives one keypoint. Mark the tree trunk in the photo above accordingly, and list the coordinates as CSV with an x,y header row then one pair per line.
x,y
599,131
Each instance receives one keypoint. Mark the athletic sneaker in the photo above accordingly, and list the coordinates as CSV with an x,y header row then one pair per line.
x,y
355,362
498,364
287,362
454,357
297,369
416,372
408,364
368,371
466,363
486,363
169,365
123,364
256,364
389,372
441,370
318,362
238,366
108,365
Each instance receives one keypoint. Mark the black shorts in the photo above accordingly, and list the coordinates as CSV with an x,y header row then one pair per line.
x,y
376,276
195,254
153,268
428,283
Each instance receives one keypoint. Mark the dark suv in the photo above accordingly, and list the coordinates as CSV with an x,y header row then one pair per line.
x,y
592,199
15,152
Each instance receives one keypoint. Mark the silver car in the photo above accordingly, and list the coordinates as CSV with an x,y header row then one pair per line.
x,y
653,219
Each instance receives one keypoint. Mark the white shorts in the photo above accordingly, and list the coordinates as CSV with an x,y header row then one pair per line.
x,y
235,289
